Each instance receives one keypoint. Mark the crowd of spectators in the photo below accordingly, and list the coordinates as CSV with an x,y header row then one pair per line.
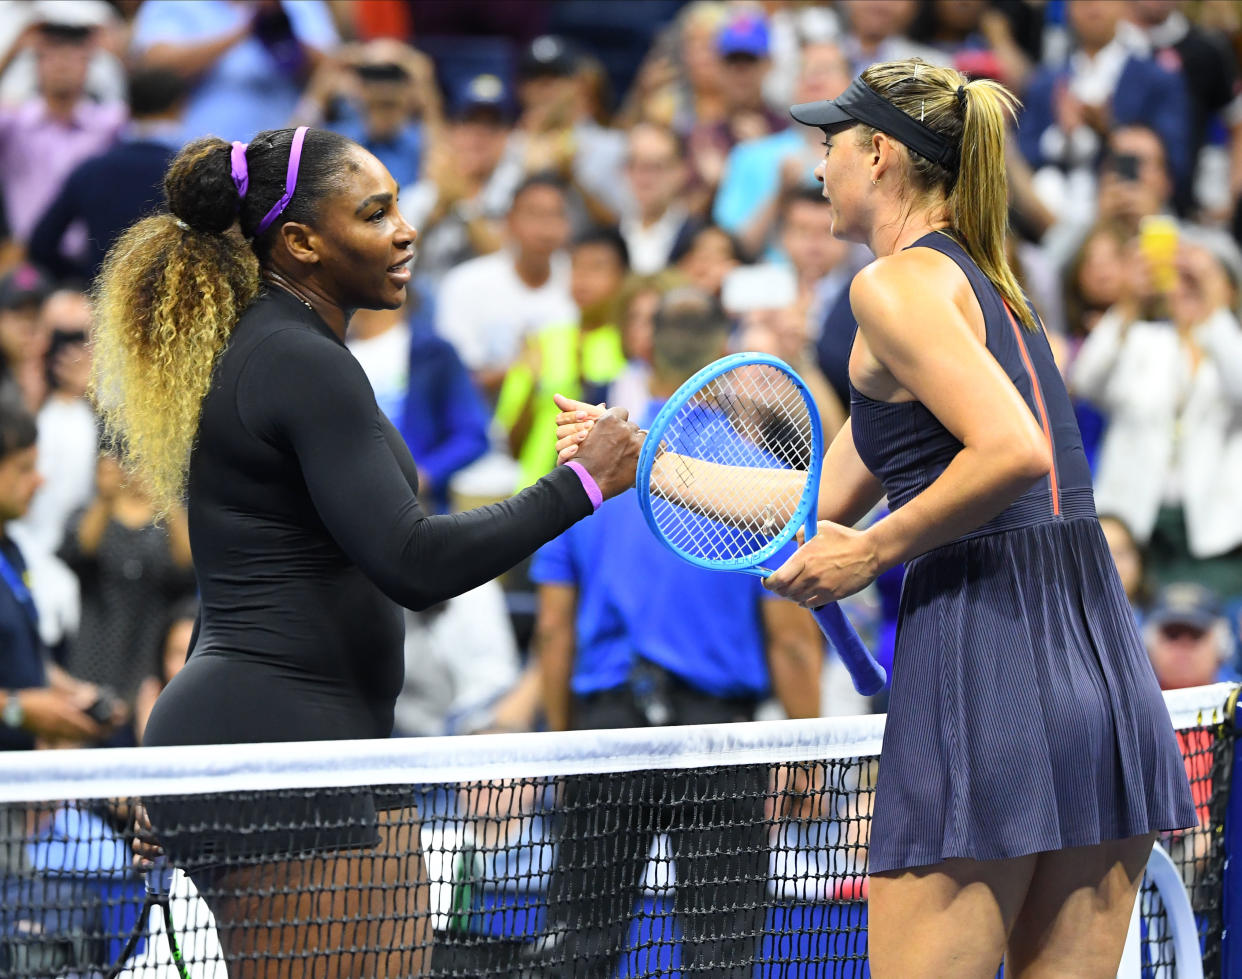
x,y
571,165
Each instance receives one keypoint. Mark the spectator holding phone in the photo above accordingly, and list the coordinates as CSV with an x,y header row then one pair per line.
x,y
1165,364
1109,80
42,138
553,135
1131,182
383,96
247,62
132,572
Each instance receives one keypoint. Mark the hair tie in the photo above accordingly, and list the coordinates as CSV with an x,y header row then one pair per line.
x,y
241,174
961,96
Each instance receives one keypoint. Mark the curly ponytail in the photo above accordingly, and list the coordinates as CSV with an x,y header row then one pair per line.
x,y
973,114
167,298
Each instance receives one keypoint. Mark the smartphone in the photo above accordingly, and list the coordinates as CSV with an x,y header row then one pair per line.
x,y
104,707
1158,242
1125,166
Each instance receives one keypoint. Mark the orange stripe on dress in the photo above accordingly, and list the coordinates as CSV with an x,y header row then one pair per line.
x,y
1043,411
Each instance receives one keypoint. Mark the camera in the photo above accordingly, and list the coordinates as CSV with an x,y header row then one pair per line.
x,y
385,72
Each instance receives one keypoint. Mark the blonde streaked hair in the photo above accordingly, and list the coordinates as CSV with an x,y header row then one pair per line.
x,y
977,193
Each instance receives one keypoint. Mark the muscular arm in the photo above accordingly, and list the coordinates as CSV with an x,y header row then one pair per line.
x,y
307,393
914,328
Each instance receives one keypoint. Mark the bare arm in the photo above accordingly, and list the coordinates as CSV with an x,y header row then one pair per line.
x,y
738,495
554,651
795,657
191,59
92,526
742,496
916,330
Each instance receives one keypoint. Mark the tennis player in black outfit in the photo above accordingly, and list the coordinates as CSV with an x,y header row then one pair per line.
x,y
221,360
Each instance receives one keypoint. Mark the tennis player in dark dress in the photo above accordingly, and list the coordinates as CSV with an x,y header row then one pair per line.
x,y
1028,758
221,360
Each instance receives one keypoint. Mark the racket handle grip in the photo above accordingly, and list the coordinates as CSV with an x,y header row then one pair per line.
x,y
868,675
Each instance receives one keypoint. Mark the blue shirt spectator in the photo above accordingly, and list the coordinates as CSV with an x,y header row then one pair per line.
x,y
444,420
401,152
21,649
631,597
752,176
253,84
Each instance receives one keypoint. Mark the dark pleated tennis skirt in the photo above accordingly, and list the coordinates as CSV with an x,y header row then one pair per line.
x,y
1024,714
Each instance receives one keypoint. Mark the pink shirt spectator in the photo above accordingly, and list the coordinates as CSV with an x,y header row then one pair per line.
x,y
37,152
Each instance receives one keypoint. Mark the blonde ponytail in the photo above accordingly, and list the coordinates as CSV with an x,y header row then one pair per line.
x,y
166,301
973,114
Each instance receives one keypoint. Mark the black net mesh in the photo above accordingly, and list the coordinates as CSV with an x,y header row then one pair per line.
x,y
754,870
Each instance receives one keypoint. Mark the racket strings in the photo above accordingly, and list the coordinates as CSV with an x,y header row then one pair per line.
x,y
734,464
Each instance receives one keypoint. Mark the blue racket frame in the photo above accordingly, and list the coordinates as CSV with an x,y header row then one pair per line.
x,y
868,676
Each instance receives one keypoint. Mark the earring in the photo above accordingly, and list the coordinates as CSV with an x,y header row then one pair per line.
x,y
875,183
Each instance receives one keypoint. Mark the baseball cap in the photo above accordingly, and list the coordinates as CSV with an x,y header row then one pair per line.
x,y
747,34
483,92
547,55
1186,603
24,286
861,103
83,15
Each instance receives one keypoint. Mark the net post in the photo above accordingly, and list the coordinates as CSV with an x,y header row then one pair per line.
x,y
1231,898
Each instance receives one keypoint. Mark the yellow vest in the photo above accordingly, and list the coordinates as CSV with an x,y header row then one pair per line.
x,y
561,371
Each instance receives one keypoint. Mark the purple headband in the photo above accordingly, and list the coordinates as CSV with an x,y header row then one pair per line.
x,y
241,177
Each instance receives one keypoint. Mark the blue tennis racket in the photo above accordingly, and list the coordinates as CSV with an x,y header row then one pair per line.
x,y
730,470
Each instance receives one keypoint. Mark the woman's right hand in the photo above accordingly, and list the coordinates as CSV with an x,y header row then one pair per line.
x,y
572,425
609,451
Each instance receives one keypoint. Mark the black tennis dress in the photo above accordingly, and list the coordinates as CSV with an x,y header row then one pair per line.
x,y
307,534
1024,714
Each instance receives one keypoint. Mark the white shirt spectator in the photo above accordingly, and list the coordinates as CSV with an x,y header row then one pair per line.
x,y
385,359
485,309
1167,418
459,660
68,447
651,246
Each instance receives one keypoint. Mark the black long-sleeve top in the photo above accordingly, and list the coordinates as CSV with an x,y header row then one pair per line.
x,y
307,532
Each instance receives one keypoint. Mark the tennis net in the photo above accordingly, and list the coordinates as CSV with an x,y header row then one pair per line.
x,y
725,850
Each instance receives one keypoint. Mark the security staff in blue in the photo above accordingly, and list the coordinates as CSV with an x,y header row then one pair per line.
x,y
38,700
628,635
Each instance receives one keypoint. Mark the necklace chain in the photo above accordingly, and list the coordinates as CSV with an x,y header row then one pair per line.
x,y
279,282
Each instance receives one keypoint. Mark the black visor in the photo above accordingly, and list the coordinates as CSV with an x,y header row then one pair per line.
x,y
861,103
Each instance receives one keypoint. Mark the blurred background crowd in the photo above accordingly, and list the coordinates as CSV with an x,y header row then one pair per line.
x,y
582,174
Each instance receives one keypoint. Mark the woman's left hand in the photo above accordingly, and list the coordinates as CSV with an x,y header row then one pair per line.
x,y
837,562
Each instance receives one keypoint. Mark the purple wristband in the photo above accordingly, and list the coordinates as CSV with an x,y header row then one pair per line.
x,y
588,483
